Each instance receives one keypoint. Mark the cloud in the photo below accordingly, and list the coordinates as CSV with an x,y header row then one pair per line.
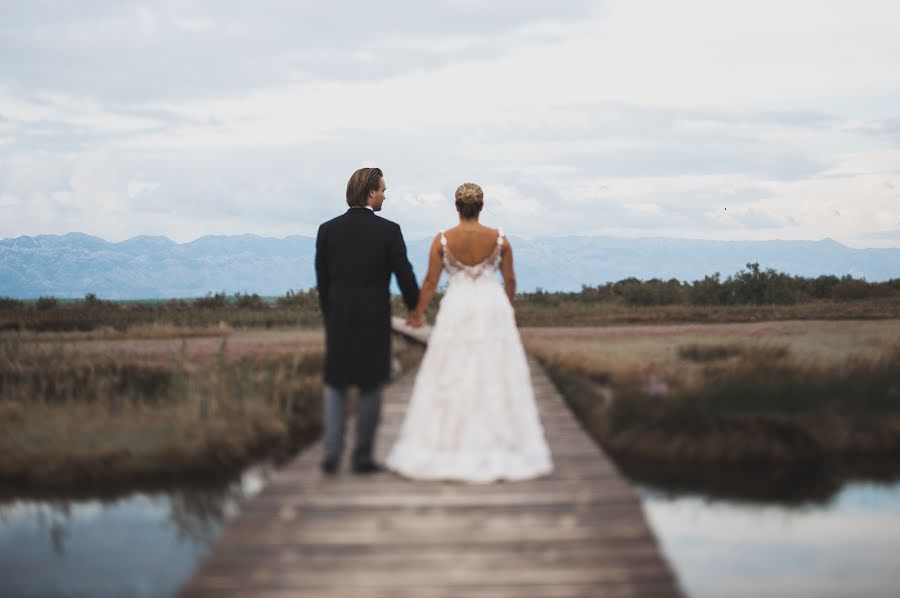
x,y
201,49
629,118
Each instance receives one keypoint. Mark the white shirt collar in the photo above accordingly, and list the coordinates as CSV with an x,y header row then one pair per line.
x,y
370,208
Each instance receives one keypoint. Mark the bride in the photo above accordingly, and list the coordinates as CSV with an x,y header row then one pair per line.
x,y
472,415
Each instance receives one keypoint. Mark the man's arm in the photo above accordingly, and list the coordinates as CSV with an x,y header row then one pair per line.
x,y
403,270
322,280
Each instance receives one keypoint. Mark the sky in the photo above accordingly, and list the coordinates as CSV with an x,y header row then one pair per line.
x,y
706,119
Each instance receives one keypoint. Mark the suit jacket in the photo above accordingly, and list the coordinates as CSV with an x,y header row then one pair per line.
x,y
356,253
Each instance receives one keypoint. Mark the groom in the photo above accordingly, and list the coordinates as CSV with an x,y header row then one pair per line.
x,y
356,253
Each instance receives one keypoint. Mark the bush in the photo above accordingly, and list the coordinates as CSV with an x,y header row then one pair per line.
x,y
761,287
821,287
542,297
651,292
8,303
92,302
855,289
216,301
248,301
45,303
303,299
177,305
709,291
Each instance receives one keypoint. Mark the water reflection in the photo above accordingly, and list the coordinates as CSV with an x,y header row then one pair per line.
x,y
843,545
143,544
788,484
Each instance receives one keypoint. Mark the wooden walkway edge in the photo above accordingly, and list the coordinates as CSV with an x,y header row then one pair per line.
x,y
580,531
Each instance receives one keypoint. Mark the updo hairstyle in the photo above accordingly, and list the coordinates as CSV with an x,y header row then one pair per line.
x,y
469,200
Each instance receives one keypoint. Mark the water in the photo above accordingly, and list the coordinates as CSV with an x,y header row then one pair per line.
x,y
144,544
847,545
754,535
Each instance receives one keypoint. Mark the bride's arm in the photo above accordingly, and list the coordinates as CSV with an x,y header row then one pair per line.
x,y
506,268
429,285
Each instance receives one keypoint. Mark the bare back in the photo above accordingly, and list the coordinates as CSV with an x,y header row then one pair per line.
x,y
471,244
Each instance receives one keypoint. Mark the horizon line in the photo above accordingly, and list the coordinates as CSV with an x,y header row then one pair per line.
x,y
525,237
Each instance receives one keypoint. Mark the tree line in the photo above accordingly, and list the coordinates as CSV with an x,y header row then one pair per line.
x,y
750,286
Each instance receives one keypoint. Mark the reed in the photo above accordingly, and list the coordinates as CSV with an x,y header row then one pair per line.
x,y
80,410
803,392
70,416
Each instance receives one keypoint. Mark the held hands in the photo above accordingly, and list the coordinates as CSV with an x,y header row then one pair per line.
x,y
415,320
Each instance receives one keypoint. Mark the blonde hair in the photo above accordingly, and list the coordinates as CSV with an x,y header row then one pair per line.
x,y
469,200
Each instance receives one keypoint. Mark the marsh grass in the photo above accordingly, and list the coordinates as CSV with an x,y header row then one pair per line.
x,y
822,390
703,353
135,410
70,417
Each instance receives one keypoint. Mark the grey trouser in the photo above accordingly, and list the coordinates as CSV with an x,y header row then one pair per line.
x,y
368,414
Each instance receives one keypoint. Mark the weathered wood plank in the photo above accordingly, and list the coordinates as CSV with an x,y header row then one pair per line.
x,y
233,555
577,532
646,589
513,574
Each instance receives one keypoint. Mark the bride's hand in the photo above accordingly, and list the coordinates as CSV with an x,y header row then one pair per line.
x,y
415,320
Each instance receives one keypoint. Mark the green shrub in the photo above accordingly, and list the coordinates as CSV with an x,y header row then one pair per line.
x,y
852,289
761,287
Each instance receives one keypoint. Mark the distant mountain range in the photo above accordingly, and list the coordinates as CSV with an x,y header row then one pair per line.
x,y
156,267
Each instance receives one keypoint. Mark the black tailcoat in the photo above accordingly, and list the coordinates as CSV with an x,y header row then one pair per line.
x,y
355,256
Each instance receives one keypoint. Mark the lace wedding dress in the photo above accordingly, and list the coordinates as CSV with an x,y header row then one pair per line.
x,y
472,415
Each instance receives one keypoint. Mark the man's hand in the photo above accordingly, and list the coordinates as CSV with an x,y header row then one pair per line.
x,y
415,320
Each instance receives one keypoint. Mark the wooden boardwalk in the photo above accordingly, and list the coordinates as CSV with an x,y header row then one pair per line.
x,y
577,532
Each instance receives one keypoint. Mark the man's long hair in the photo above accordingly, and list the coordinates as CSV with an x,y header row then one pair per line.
x,y
360,184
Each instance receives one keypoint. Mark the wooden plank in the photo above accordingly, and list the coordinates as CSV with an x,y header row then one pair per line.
x,y
630,589
579,531
514,574
315,555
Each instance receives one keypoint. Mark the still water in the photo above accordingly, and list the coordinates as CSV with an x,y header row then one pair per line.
x,y
843,539
847,546
140,545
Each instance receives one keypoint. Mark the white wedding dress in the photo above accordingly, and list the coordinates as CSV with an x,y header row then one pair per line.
x,y
472,415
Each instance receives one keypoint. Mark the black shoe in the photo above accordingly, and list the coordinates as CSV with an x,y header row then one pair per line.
x,y
368,467
329,466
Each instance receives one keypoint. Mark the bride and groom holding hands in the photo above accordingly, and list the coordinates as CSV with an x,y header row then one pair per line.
x,y
472,415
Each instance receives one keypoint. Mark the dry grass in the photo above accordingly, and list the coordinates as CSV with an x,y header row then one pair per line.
x,y
767,391
81,410
104,319
158,402
81,317
571,312
157,330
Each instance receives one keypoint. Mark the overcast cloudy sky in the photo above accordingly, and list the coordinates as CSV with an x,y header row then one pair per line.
x,y
699,118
